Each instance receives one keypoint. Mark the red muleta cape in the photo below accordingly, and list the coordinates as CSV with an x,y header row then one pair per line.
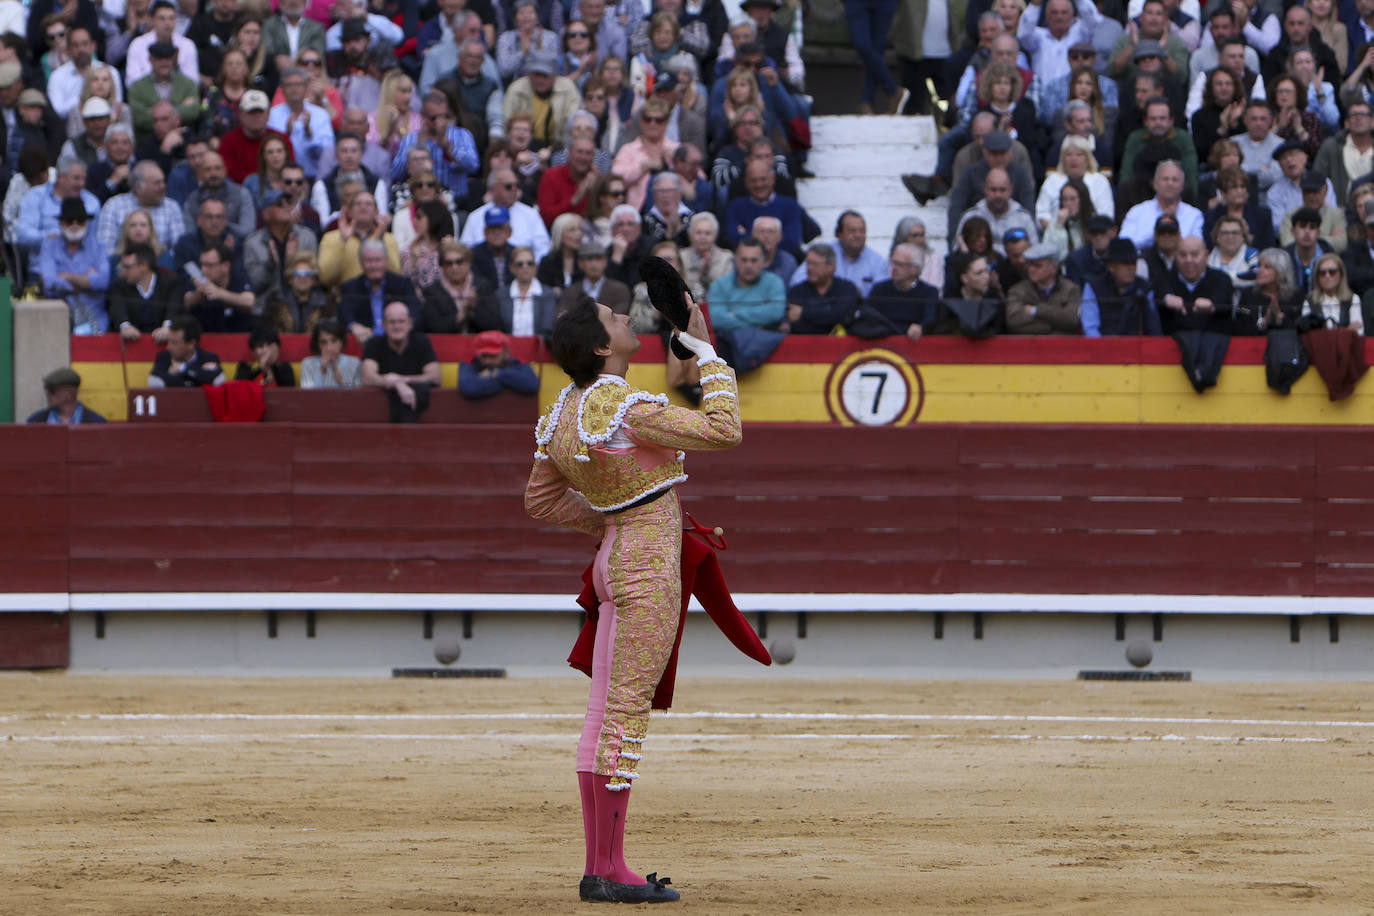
x,y
701,576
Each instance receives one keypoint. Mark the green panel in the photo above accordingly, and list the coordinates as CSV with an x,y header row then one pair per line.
x,y
6,353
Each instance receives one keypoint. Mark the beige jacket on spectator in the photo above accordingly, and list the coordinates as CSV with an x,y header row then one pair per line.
x,y
1057,315
1332,228
562,103
339,261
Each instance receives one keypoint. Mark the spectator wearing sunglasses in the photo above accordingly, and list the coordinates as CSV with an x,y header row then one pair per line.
x,y
452,148
268,251
646,154
527,227
524,308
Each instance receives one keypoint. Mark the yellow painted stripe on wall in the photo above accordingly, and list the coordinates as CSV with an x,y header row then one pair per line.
x,y
971,393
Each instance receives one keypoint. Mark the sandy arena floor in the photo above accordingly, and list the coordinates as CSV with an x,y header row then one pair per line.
x,y
147,795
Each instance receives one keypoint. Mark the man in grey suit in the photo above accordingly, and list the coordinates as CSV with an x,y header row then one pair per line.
x,y
287,33
591,258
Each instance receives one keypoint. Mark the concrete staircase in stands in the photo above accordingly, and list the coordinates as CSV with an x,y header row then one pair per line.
x,y
859,161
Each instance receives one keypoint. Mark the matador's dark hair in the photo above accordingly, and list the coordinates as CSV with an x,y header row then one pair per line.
x,y
577,334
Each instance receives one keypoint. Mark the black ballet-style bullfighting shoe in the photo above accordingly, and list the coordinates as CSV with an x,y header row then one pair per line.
x,y
590,886
665,287
656,890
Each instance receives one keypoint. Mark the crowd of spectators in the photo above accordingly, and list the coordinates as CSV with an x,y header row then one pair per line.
x,y
1159,166
323,167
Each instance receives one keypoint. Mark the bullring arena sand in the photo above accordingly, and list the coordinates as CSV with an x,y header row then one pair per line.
x,y
207,796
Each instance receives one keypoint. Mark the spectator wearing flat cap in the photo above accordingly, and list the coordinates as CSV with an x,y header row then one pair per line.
x,y
75,267
1285,194
62,386
492,370
164,84
968,189
550,98
1314,197
1046,302
138,63
1119,302
592,260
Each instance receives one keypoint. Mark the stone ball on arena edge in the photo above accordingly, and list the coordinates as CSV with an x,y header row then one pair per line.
x,y
783,651
446,653
1139,653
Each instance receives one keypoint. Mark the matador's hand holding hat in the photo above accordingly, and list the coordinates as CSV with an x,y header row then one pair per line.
x,y
666,288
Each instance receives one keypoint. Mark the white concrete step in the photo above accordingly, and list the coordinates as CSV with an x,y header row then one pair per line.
x,y
860,130
859,162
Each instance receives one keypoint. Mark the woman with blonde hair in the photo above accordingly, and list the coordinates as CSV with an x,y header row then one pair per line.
x,y
1327,24
741,91
1076,160
100,84
703,261
395,116
1331,298
138,229
558,268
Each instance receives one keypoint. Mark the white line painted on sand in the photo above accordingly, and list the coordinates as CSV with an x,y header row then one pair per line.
x,y
518,738
724,716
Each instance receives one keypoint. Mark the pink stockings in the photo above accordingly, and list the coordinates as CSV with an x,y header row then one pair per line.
x,y
603,825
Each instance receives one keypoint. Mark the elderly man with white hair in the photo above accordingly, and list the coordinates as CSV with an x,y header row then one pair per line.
x,y
527,226
1139,224
768,230
667,219
1194,296
148,191
907,303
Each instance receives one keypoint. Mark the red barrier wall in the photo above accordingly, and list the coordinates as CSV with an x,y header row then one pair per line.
x,y
281,507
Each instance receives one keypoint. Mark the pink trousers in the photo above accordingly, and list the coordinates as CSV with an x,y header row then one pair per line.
x,y
638,583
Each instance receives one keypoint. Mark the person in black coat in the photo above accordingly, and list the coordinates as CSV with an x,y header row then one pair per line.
x,y
1086,263
440,309
184,364
905,304
1193,296
269,370
363,299
143,300
1359,263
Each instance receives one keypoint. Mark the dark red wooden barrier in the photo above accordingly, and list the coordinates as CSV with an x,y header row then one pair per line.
x,y
341,508
359,405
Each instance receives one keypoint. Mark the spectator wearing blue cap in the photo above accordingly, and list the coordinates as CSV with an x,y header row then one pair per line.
x,y
268,251
491,256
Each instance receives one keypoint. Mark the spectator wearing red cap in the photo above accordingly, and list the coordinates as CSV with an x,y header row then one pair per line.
x,y
493,370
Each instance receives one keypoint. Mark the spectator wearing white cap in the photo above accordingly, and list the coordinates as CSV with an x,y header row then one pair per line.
x,y
1045,302
67,81
239,147
95,115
